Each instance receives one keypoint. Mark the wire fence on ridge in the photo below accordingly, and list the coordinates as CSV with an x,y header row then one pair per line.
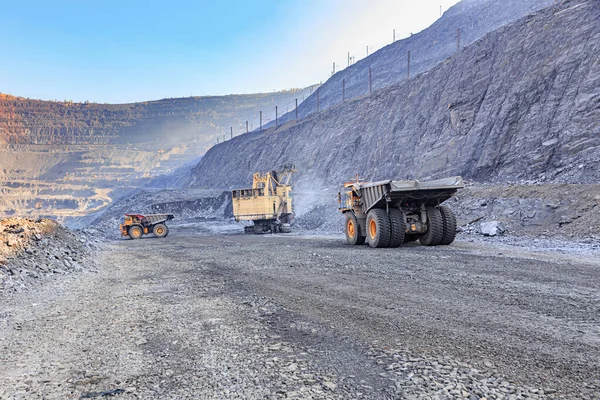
x,y
320,100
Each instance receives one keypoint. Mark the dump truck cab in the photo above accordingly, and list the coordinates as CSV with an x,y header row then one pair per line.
x,y
389,213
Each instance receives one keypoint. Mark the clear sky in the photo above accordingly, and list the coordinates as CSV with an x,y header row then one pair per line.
x,y
136,50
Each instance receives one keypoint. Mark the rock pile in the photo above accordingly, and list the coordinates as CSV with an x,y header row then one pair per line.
x,y
33,249
550,210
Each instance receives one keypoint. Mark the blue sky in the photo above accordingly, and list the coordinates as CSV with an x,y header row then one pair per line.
x,y
125,51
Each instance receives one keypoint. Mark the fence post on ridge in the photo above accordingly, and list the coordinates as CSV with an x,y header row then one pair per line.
x,y
317,99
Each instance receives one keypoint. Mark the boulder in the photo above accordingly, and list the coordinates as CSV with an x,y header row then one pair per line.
x,y
492,228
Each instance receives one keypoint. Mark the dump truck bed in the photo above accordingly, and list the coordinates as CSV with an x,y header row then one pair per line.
x,y
153,218
430,192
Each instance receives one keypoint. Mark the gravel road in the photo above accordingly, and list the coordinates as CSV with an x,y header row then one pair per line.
x,y
233,316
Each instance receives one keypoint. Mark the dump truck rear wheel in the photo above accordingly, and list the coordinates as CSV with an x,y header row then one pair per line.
x,y
398,227
378,228
435,228
449,222
353,236
160,230
135,232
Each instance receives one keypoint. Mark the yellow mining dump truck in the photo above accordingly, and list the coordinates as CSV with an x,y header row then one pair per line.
x,y
267,203
389,213
137,225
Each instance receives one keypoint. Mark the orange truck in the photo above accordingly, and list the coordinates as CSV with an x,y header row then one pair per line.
x,y
137,225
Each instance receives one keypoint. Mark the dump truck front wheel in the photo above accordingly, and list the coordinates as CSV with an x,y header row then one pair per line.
x,y
449,221
353,235
378,228
435,228
160,230
135,232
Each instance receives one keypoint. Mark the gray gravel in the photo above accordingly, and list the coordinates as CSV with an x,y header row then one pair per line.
x,y
46,256
209,314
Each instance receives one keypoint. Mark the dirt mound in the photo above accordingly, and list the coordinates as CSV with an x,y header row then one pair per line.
x,y
34,249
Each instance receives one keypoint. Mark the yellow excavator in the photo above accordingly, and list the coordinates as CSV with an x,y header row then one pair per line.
x,y
268,203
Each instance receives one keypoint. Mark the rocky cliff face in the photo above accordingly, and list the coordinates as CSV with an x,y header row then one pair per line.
x,y
474,18
154,124
523,103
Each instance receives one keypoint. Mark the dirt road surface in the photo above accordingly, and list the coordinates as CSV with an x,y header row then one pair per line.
x,y
233,316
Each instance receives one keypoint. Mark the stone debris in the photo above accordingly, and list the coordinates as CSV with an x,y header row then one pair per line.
x,y
33,249
440,378
491,228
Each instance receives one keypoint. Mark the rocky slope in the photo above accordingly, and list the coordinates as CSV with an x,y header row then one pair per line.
x,y
474,18
523,103
34,249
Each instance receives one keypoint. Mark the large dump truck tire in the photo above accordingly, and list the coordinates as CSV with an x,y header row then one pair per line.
x,y
353,236
435,228
378,228
135,231
449,221
398,227
160,230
